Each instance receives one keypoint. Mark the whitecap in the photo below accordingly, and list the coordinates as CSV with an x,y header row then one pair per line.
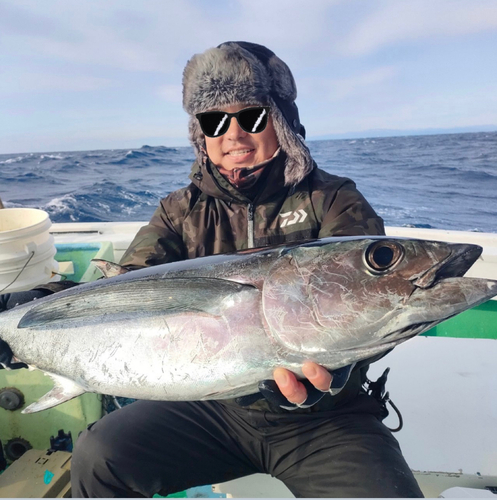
x,y
60,204
103,205
12,204
12,160
54,157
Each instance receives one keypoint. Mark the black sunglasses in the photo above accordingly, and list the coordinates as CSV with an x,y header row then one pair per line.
x,y
217,123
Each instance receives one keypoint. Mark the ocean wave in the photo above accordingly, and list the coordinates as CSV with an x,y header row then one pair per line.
x,y
423,181
160,149
92,155
130,158
152,154
74,208
12,204
19,159
137,154
102,202
31,176
419,226
53,157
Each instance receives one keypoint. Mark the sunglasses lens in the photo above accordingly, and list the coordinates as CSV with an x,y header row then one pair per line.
x,y
253,120
214,124
217,123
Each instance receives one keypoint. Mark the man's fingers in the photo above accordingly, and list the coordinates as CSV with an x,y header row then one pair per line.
x,y
294,390
317,375
289,386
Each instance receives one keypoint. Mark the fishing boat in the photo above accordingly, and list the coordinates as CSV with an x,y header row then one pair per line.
x,y
443,382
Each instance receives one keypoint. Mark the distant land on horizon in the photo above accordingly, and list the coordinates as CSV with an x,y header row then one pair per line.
x,y
367,134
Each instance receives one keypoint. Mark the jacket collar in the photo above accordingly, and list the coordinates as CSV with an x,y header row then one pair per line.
x,y
210,181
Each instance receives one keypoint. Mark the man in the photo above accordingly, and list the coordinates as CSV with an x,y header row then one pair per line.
x,y
254,184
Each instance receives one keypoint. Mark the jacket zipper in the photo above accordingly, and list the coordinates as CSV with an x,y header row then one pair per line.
x,y
250,225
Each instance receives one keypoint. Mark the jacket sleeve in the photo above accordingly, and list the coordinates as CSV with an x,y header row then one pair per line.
x,y
347,213
156,243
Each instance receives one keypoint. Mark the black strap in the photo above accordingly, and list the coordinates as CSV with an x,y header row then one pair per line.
x,y
378,391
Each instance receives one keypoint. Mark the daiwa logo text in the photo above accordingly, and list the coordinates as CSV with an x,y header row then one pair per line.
x,y
290,218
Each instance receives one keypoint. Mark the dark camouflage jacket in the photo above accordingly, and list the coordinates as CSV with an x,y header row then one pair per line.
x,y
210,216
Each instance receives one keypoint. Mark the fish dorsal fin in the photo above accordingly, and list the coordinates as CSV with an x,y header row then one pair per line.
x,y
64,390
130,297
109,269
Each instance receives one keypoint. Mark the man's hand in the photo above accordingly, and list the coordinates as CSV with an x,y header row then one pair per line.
x,y
294,390
289,393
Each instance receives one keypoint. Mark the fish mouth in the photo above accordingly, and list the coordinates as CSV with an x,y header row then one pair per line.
x,y
443,291
462,256
410,331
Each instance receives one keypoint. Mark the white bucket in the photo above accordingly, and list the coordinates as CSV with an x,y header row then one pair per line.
x,y
25,243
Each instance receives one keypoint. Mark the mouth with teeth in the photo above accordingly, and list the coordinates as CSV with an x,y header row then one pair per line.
x,y
240,152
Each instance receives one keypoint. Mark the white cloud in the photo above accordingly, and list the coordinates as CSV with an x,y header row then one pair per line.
x,y
419,112
19,82
337,89
285,24
365,82
160,35
170,93
113,34
397,21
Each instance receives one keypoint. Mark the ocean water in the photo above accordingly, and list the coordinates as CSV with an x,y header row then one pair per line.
x,y
439,181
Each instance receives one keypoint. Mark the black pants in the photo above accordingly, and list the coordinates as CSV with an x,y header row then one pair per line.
x,y
164,447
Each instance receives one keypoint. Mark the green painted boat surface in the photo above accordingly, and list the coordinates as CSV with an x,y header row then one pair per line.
x,y
75,415
480,322
75,259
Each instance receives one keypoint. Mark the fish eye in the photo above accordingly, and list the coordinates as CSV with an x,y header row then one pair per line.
x,y
381,256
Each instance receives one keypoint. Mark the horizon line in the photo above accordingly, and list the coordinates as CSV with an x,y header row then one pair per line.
x,y
365,134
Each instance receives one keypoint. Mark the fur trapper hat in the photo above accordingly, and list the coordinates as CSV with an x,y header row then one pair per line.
x,y
243,72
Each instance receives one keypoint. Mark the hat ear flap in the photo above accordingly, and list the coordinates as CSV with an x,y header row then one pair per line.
x,y
299,162
197,140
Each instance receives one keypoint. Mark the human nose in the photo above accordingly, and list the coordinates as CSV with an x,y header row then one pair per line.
x,y
234,131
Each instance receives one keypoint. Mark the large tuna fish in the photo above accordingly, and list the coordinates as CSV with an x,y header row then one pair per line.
x,y
211,328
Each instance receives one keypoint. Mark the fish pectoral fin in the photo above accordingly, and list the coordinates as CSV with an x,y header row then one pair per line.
x,y
109,269
153,296
63,391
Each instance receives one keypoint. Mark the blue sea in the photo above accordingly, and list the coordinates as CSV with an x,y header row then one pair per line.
x,y
438,181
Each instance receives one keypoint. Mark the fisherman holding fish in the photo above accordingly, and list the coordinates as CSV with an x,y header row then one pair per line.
x,y
253,184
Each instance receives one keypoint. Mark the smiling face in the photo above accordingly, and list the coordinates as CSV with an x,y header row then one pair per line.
x,y
237,148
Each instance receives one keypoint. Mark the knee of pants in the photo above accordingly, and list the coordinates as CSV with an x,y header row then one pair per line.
x,y
91,450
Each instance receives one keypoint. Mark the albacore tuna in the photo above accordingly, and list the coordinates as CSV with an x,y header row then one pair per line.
x,y
213,327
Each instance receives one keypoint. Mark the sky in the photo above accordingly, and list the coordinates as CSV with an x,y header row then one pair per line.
x,y
106,74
